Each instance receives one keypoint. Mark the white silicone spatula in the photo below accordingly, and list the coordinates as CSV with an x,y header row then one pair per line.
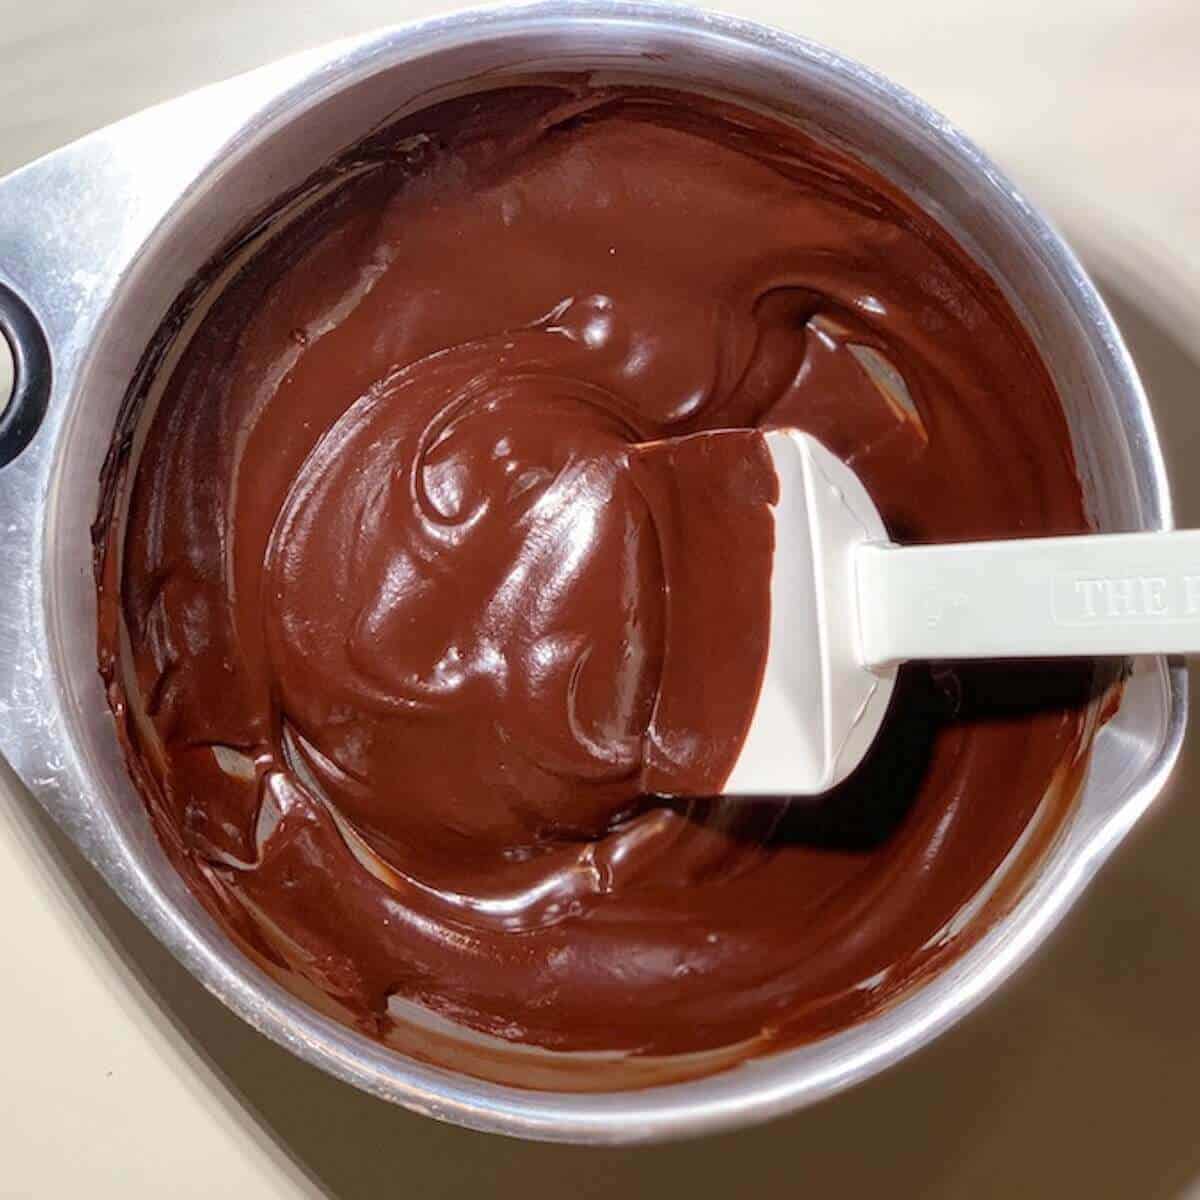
x,y
847,607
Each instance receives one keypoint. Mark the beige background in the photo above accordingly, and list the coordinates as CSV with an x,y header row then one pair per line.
x,y
119,1077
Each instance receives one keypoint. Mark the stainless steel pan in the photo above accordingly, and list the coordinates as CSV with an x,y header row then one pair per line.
x,y
98,239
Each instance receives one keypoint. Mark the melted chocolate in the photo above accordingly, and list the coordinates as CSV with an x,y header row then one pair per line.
x,y
403,629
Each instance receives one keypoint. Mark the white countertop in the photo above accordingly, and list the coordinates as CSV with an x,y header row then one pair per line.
x,y
121,1078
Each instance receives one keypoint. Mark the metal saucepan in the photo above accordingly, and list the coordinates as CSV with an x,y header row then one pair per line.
x,y
99,239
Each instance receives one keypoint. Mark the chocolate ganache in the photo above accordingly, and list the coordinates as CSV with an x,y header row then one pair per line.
x,y
423,588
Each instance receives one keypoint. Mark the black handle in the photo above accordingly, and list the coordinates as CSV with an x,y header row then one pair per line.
x,y
30,395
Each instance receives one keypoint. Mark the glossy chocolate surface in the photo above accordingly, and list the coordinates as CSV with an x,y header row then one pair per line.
x,y
403,632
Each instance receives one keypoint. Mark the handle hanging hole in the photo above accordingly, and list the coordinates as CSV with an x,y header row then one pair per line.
x,y
8,373
25,374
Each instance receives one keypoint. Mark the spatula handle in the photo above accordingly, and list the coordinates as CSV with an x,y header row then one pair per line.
x,y
1101,594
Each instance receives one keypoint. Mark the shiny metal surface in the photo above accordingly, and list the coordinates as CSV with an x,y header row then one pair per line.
x,y
101,236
